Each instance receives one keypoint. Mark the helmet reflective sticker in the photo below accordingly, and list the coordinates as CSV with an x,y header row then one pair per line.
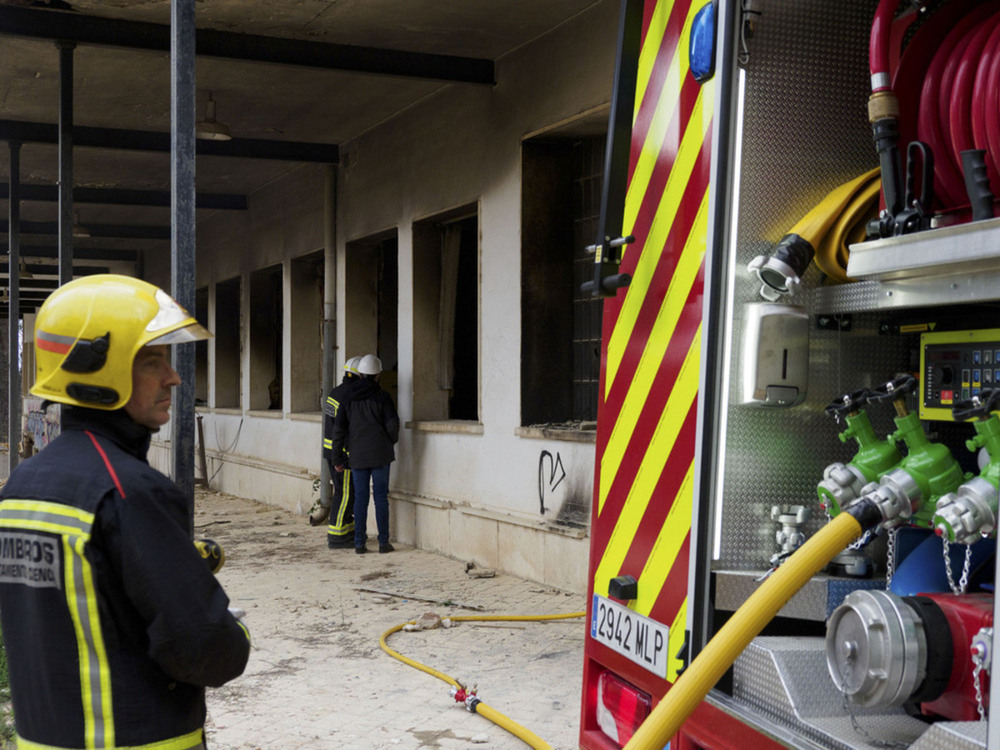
x,y
53,342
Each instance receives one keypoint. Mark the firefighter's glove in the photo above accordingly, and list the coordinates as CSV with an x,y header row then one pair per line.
x,y
212,553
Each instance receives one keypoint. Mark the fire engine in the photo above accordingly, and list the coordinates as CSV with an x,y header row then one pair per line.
x,y
798,440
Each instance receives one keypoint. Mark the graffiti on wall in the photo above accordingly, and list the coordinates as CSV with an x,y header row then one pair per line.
x,y
39,425
550,475
562,490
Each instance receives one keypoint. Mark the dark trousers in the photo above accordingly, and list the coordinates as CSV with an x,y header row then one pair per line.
x,y
340,532
378,480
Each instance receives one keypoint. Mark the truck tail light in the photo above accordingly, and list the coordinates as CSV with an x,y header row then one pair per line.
x,y
621,707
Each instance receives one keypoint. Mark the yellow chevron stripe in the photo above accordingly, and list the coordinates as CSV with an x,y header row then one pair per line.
x,y
665,106
668,543
675,642
634,509
649,365
663,219
650,49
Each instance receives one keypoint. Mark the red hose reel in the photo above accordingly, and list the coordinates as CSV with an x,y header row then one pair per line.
x,y
947,83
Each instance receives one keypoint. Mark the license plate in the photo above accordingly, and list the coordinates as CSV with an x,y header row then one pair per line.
x,y
632,635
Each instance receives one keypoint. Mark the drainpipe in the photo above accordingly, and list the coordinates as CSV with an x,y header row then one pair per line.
x,y
329,309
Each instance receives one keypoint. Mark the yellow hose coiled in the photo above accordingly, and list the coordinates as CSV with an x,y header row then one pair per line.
x,y
522,733
745,624
838,221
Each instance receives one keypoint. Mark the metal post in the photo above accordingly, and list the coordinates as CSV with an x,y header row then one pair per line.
x,y
65,161
329,364
182,235
14,407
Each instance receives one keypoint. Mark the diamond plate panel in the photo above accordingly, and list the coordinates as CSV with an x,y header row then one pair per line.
x,y
958,735
805,132
786,679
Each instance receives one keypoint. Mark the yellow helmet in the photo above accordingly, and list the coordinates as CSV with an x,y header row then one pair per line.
x,y
88,332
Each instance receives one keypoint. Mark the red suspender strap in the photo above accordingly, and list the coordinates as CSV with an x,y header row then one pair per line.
x,y
107,463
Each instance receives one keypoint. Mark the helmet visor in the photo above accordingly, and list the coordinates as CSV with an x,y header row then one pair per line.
x,y
194,331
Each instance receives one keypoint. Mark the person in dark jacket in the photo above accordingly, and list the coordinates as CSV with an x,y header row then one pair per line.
x,y
113,623
369,424
340,531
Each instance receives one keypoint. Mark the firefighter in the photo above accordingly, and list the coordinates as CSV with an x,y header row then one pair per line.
x,y
112,622
340,531
369,424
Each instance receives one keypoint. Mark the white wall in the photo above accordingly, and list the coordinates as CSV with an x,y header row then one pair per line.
x,y
471,492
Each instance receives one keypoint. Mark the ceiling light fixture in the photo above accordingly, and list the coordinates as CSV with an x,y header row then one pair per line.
x,y
210,129
23,272
79,231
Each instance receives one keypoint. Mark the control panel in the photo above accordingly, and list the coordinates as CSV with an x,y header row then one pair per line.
x,y
955,366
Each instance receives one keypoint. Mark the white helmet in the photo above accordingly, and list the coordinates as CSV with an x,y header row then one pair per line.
x,y
370,365
351,365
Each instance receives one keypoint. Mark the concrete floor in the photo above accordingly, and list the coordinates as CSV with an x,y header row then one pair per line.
x,y
317,677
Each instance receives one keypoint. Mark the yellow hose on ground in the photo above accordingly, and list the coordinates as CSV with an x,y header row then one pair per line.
x,y
522,733
745,624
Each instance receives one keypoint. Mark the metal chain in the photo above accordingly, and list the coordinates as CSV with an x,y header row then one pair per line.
x,y
963,582
861,541
890,559
981,656
855,725
979,689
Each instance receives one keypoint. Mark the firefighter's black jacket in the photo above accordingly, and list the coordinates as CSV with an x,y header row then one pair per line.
x,y
369,424
337,397
112,622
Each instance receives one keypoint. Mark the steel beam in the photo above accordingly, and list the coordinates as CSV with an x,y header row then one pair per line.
x,y
182,237
122,231
38,269
65,129
81,253
146,140
14,407
126,197
46,24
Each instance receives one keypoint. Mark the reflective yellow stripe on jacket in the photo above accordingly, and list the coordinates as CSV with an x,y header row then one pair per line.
x,y
192,741
74,526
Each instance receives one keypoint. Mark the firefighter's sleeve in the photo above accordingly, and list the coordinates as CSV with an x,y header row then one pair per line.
x,y
191,633
339,434
391,420
329,415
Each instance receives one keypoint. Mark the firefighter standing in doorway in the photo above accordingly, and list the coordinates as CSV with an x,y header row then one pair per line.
x,y
112,622
340,531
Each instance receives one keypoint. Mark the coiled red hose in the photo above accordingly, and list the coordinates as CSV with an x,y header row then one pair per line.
x,y
959,96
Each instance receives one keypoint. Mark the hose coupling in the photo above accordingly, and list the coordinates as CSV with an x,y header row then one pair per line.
x,y
467,697
781,272
982,649
883,105
841,485
965,515
896,496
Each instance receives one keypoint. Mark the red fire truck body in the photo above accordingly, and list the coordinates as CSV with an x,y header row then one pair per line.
x,y
725,392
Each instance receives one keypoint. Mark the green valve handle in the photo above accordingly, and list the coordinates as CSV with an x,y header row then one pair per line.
x,y
909,492
842,483
970,513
